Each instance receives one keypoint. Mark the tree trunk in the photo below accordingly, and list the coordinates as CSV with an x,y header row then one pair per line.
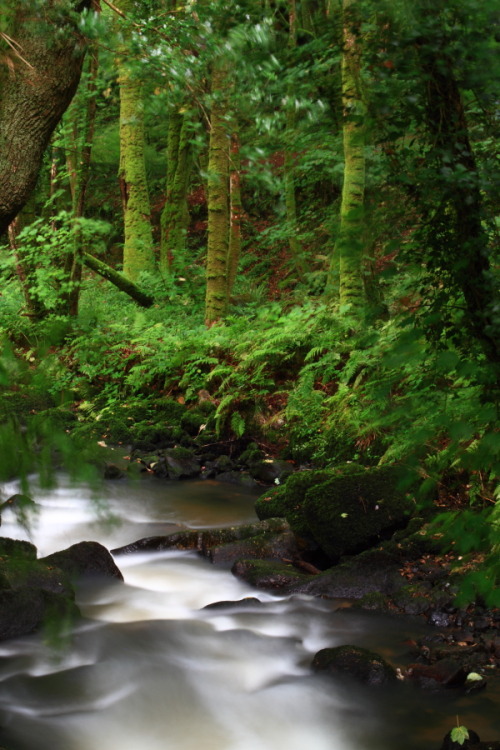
x,y
138,241
348,251
175,214
118,279
455,230
218,200
37,83
235,214
289,163
81,142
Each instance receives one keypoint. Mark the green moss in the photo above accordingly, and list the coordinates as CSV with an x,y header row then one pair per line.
x,y
287,501
349,513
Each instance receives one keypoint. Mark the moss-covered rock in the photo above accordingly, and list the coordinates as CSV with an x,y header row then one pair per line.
x,y
287,501
363,665
270,576
349,513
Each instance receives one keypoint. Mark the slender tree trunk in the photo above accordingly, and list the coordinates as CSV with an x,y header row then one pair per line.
x,y
79,163
25,269
175,215
138,241
348,251
218,199
118,279
235,213
36,85
289,163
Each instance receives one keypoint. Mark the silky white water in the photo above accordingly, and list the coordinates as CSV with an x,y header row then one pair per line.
x,y
150,669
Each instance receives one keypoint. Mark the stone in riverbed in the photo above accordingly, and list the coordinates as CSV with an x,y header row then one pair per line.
x,y
83,560
270,576
363,665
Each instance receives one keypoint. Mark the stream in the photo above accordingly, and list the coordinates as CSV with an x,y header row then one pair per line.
x,y
149,669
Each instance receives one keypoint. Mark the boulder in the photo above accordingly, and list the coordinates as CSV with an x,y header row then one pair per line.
x,y
83,560
350,513
270,576
445,673
374,571
181,464
269,470
261,547
287,501
363,665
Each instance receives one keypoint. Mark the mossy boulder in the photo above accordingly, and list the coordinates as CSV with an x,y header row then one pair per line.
x,y
270,576
356,662
287,500
350,513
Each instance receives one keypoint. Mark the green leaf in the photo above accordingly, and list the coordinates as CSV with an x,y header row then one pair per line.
x,y
459,735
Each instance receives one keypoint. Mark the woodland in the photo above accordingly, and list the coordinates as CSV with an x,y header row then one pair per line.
x,y
258,225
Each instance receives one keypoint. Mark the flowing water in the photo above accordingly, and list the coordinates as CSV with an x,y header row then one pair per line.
x,y
149,668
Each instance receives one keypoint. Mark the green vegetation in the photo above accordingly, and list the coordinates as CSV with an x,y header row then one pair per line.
x,y
268,227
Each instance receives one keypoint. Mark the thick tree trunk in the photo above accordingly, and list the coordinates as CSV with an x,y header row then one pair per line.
x,y
175,215
36,86
118,279
218,200
138,242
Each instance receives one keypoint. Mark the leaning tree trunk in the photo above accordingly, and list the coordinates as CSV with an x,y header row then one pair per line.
x,y
40,66
138,241
218,199
347,257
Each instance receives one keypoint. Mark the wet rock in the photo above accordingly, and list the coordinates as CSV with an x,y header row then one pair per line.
x,y
181,464
270,576
248,601
112,471
363,665
269,470
84,559
262,547
241,478
446,673
204,541
373,571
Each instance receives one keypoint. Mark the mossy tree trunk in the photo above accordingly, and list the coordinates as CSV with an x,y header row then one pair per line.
x,y
81,135
289,163
38,77
175,214
218,198
138,239
347,260
235,212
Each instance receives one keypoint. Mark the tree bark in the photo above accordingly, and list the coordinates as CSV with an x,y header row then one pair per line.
x,y
235,213
118,279
175,214
36,86
348,250
218,199
138,241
